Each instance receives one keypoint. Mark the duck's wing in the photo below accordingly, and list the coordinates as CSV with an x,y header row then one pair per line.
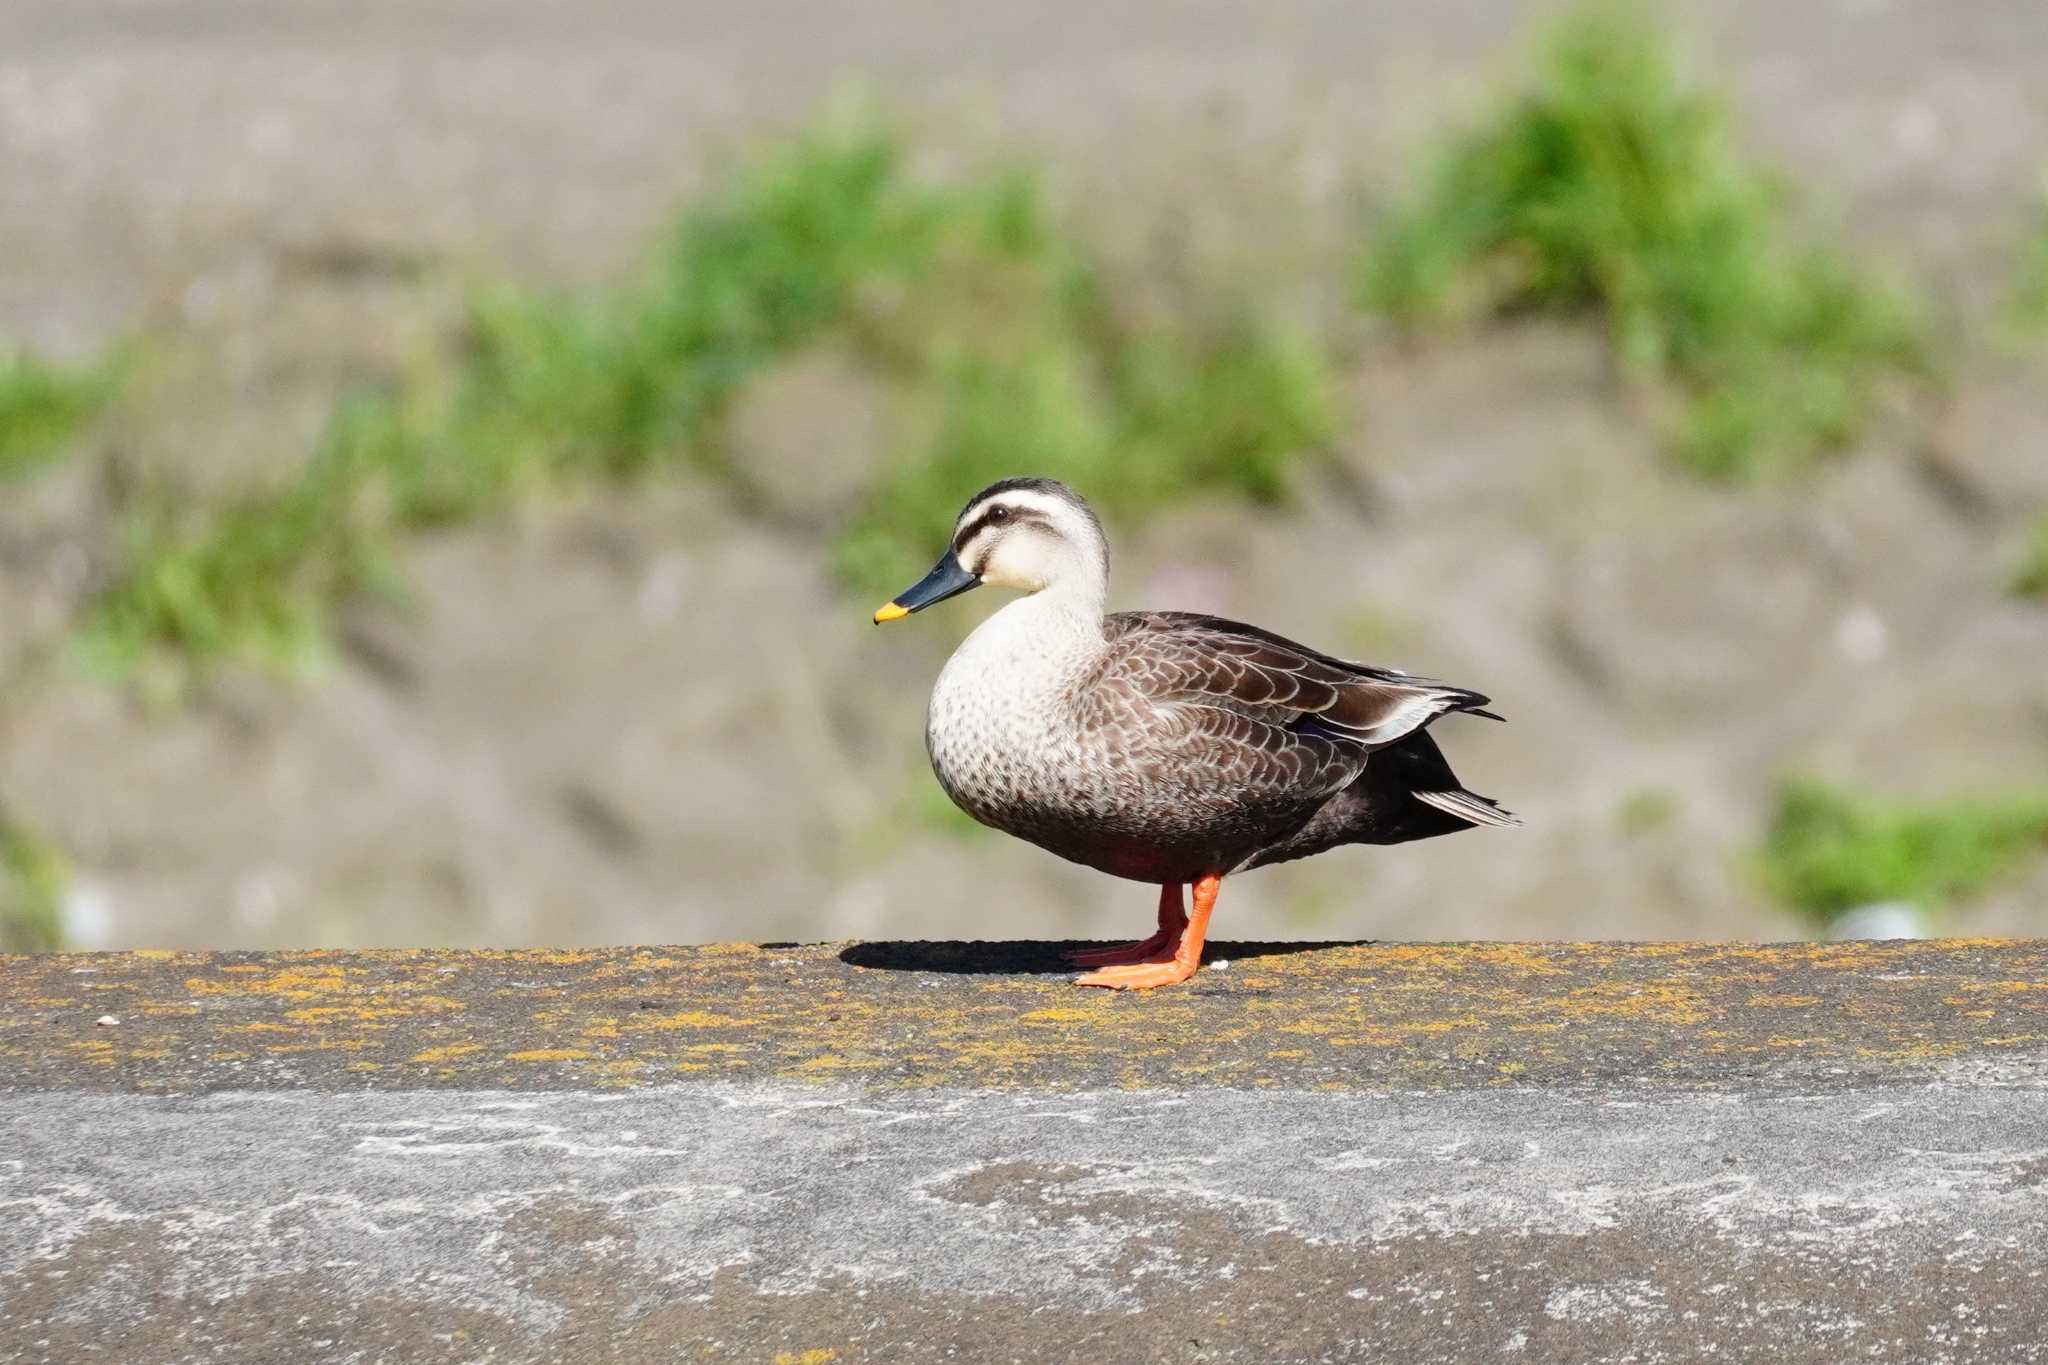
x,y
1271,681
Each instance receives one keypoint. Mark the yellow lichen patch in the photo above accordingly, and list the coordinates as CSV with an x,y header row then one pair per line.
x,y
1057,1015
329,1014
1438,1025
548,1054
814,1357
448,1053
289,983
1379,1038
1430,958
685,1019
1662,1003
1919,1050
1784,1002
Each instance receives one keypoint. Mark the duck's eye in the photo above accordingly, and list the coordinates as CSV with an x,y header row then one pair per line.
x,y
998,515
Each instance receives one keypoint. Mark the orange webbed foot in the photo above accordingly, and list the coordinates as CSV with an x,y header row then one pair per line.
x,y
1118,957
1171,962
1173,918
1140,976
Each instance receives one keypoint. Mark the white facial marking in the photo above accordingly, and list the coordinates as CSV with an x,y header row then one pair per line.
x,y
1043,537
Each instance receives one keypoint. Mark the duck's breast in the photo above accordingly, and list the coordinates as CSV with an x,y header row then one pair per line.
x,y
1002,739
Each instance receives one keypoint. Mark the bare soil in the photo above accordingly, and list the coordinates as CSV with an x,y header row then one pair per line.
x,y
645,720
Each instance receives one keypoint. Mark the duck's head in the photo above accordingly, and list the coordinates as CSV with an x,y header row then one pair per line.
x,y
1028,534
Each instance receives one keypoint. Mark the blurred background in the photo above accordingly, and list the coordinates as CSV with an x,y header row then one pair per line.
x,y
449,449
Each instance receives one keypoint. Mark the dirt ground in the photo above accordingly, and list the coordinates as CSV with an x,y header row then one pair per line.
x,y
644,721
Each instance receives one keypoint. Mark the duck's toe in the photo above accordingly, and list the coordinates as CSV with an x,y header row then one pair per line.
x,y
1173,920
1140,976
1127,954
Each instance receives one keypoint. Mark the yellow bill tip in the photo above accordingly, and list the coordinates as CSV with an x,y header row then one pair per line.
x,y
889,611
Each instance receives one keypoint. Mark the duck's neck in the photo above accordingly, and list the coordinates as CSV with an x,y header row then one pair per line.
x,y
1072,606
1046,628
1036,641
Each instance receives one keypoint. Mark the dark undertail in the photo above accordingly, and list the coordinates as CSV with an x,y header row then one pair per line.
x,y
1406,792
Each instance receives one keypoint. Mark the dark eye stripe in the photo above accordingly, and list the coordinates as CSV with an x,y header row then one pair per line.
x,y
1017,516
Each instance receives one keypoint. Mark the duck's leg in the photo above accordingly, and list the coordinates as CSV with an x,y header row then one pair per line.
x,y
1173,918
1176,962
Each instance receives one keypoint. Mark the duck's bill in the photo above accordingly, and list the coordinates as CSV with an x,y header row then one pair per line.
x,y
947,579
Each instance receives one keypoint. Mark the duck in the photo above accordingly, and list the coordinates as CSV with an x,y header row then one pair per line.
x,y
1167,747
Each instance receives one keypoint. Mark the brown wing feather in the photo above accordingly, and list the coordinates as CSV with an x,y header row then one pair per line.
x,y
1189,658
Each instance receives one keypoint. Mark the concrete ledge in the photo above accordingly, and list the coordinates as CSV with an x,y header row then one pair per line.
x,y
903,1152
1310,1016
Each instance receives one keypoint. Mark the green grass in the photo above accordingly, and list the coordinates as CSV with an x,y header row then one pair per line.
x,y
539,392
32,881
1004,347
1023,352
1647,811
2027,308
1828,851
2027,322
1613,187
254,581
43,406
2030,579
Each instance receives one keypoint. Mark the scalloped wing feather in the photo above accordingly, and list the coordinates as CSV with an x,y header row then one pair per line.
x,y
1185,657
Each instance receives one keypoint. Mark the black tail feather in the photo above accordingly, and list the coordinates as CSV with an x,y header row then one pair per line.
x,y
1408,791
1470,807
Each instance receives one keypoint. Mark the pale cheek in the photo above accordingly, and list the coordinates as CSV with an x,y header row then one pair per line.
x,y
1016,569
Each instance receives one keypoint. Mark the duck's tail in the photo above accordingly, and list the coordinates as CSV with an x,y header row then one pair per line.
x,y
1470,807
1407,792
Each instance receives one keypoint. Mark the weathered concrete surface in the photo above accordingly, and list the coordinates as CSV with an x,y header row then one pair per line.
x,y
1410,1153
1346,1016
761,1222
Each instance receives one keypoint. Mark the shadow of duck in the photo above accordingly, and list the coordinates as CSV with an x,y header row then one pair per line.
x,y
1028,957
